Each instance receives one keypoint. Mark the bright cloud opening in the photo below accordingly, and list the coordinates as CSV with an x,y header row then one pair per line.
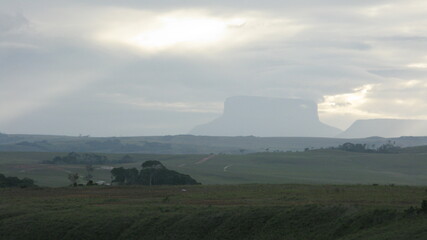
x,y
417,65
174,30
347,101
342,109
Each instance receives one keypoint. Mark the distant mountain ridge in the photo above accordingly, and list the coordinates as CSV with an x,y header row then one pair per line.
x,y
385,128
184,144
267,117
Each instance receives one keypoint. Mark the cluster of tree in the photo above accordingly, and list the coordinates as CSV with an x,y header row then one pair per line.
x,y
86,158
152,173
418,210
74,177
15,182
388,148
358,147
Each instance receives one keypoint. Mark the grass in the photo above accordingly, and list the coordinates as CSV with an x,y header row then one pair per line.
x,y
252,211
313,167
329,203
322,207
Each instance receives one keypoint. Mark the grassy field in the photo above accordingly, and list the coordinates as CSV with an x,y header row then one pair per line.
x,y
251,211
312,167
226,206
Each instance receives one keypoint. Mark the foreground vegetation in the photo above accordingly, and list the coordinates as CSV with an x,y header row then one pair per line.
x,y
384,209
214,212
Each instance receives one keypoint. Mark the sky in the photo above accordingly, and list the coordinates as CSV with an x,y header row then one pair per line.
x,y
134,67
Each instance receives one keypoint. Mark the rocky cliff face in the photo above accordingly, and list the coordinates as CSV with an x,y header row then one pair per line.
x,y
385,128
267,117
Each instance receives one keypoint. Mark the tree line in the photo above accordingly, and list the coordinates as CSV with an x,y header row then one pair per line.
x,y
15,182
86,158
358,147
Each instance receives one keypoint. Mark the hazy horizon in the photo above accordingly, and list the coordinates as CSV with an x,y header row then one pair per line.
x,y
139,68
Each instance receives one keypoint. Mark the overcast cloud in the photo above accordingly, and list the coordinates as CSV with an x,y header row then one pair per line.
x,y
161,67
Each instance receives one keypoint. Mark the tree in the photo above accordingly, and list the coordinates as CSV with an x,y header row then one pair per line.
x,y
73,177
118,175
132,176
388,148
26,182
89,169
149,169
423,208
125,176
76,158
152,164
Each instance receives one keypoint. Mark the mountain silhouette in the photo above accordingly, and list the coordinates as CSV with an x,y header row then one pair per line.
x,y
385,128
267,117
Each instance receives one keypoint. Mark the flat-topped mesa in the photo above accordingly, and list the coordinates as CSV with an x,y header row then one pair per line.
x,y
267,117
259,107
385,128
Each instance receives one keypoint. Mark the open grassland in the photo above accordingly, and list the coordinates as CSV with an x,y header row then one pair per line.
x,y
318,166
252,211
